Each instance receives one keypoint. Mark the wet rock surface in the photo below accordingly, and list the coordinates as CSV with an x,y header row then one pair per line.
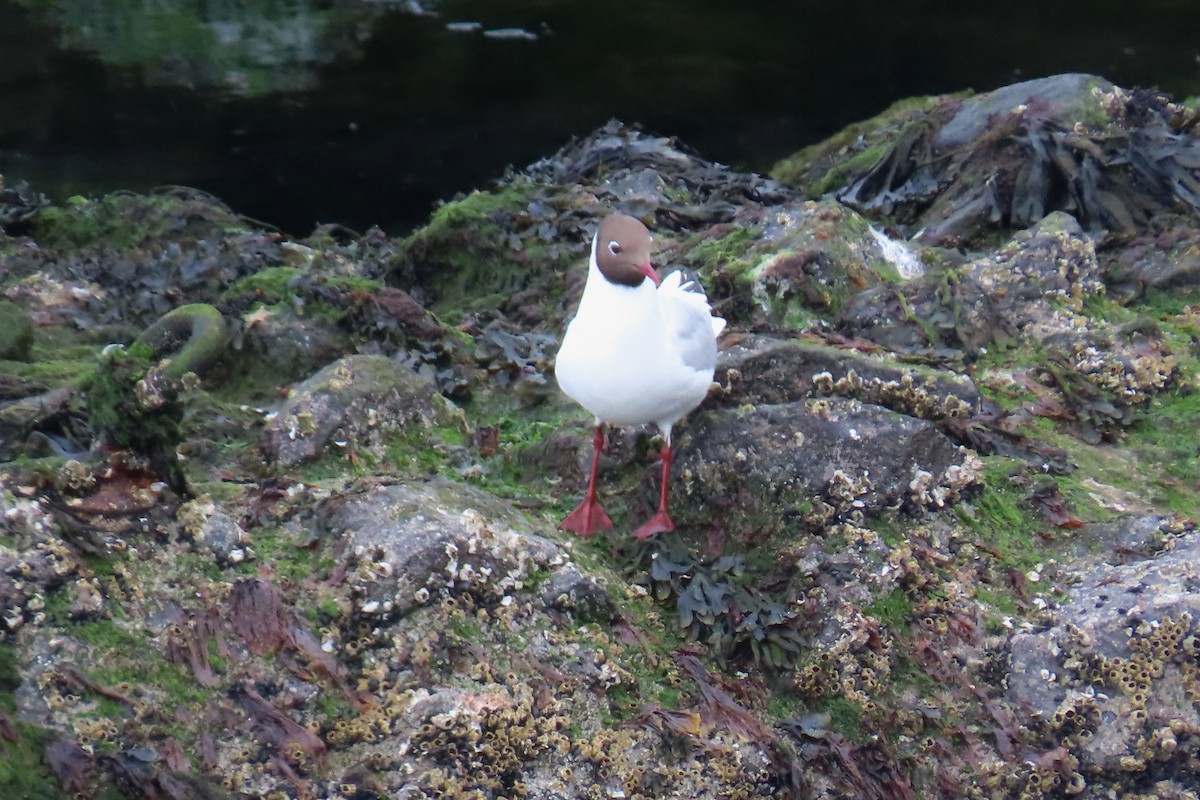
x,y
935,519
778,459
347,403
1118,671
429,541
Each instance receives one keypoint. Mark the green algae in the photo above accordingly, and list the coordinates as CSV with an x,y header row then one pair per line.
x,y
464,252
122,220
23,775
115,410
829,164
16,333
894,609
1002,517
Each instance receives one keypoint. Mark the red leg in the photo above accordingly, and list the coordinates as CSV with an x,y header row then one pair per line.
x,y
660,522
588,517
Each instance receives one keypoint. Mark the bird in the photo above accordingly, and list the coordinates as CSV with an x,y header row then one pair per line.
x,y
639,349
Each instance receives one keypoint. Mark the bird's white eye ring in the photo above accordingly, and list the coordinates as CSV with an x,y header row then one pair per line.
x,y
614,247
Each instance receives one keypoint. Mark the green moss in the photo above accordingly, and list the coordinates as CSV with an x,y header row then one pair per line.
x,y
845,718
464,253
115,409
1002,517
1088,108
894,610
1001,601
329,608
825,166
1168,441
16,333
465,629
270,284
121,221
10,673
727,254
23,776
105,634
840,173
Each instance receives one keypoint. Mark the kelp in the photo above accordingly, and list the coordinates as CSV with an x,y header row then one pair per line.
x,y
1024,167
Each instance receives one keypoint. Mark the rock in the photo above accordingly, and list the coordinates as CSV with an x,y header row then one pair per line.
x,y
1034,286
214,532
354,400
1059,99
1166,257
785,461
293,345
798,261
16,333
1051,265
1120,663
140,256
570,590
34,561
18,204
510,249
23,417
423,542
956,168
764,369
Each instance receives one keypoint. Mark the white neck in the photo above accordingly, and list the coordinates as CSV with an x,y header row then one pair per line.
x,y
604,298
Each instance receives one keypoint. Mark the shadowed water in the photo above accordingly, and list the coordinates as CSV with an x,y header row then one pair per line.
x,y
298,112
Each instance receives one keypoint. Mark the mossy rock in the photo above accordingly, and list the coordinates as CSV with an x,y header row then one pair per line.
x,y
16,333
469,249
196,334
796,264
828,165
360,402
123,220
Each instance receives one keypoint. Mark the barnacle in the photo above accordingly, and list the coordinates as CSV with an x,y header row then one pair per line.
x,y
904,395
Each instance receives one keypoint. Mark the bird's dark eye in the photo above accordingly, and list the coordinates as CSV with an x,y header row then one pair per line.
x,y
614,247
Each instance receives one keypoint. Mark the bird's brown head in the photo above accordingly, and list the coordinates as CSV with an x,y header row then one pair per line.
x,y
622,248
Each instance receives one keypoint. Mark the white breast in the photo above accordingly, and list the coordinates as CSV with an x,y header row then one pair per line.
x,y
619,358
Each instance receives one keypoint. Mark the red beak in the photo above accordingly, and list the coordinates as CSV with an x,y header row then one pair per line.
x,y
649,272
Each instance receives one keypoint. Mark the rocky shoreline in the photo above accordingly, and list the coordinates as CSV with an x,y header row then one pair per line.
x,y
278,516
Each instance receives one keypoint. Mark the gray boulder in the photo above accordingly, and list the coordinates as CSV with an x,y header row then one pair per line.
x,y
1115,678
423,542
354,400
826,456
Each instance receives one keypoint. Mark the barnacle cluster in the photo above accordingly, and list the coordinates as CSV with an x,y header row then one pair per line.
x,y
1130,374
29,575
1155,646
1076,716
192,515
845,492
74,477
927,490
905,395
1037,781
483,744
1059,264
1152,645
856,667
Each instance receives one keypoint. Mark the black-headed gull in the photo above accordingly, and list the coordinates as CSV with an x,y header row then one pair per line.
x,y
638,351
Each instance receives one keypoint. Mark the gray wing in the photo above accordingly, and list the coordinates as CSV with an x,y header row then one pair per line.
x,y
689,320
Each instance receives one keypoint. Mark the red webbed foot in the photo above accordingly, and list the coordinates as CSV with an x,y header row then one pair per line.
x,y
659,523
587,518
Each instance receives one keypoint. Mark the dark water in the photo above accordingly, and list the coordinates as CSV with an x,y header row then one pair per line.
x,y
300,111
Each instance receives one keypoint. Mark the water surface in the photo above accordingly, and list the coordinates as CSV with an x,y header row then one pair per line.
x,y
302,111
